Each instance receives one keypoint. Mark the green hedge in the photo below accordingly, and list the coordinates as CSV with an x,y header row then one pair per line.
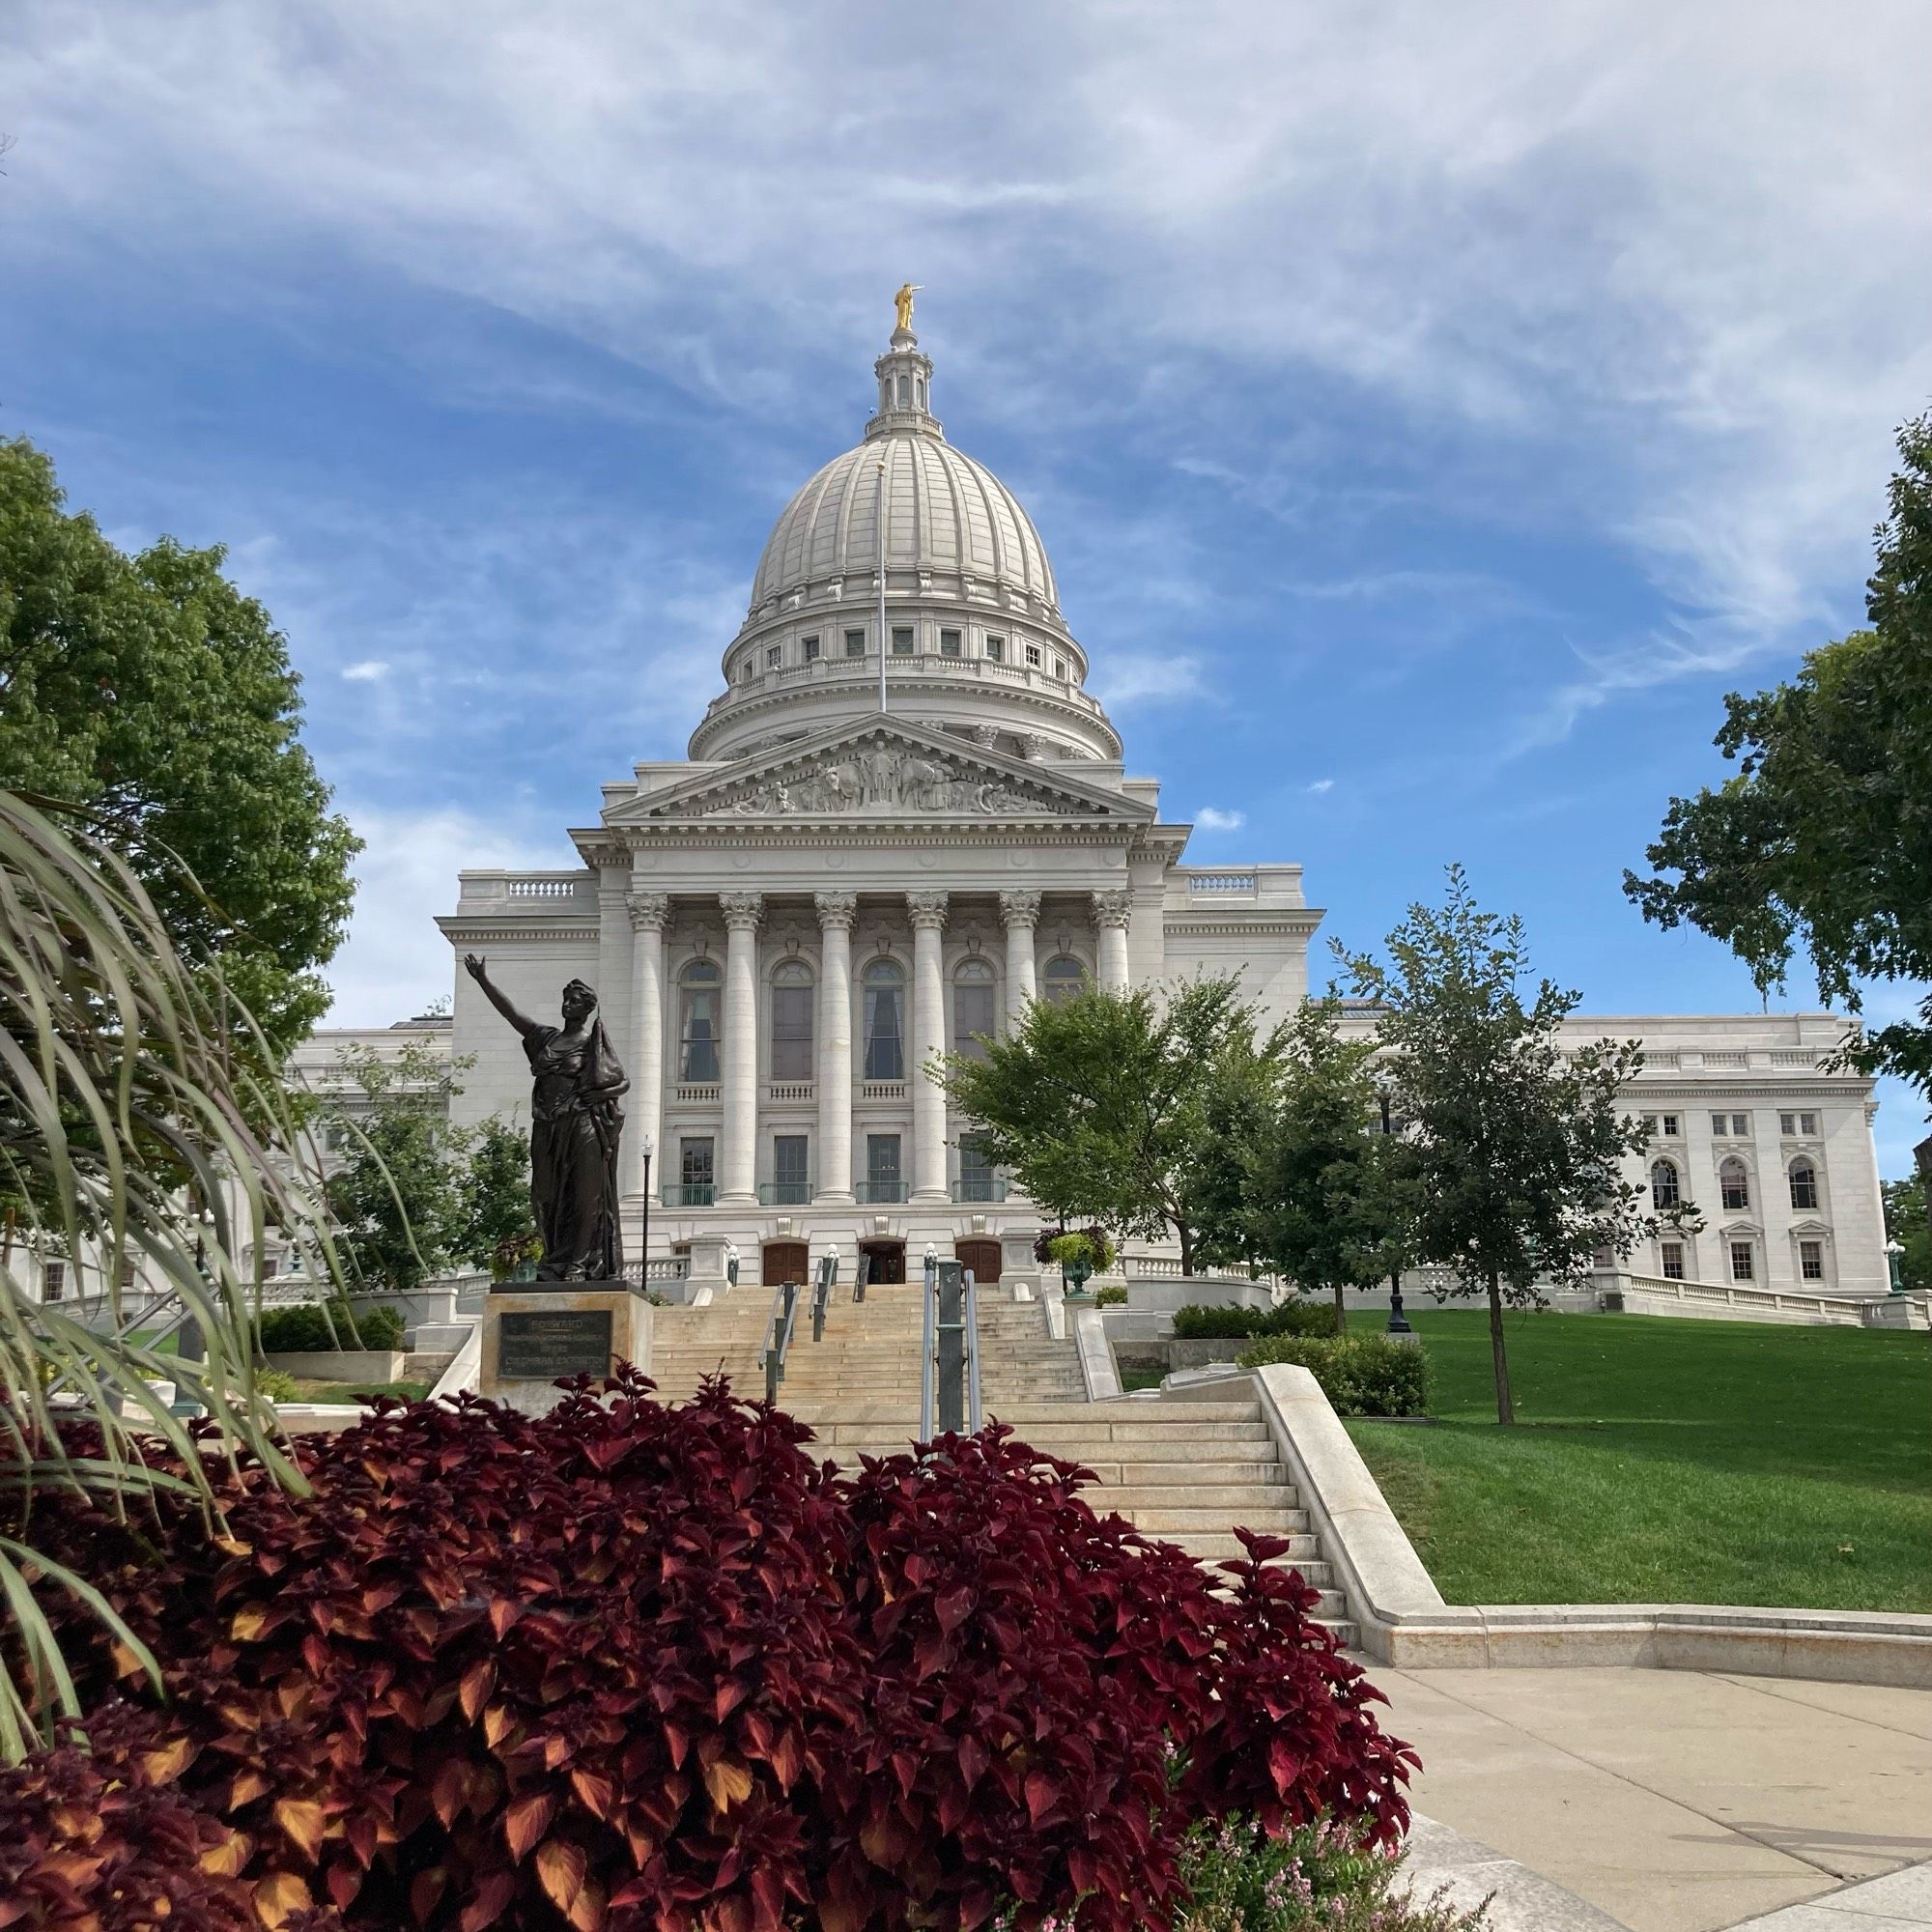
x,y
1109,1296
303,1329
1196,1324
1361,1375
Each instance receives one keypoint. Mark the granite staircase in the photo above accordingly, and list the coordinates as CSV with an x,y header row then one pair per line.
x,y
1185,1471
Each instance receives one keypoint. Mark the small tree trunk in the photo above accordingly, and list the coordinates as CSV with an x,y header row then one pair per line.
x,y
1340,1312
1186,1235
1498,1352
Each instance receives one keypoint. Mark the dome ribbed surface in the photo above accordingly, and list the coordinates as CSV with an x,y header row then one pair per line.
x,y
944,513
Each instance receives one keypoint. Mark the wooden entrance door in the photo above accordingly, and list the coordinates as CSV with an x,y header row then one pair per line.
x,y
981,1255
785,1261
888,1259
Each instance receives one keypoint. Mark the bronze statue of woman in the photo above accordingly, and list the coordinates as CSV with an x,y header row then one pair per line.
x,y
575,1127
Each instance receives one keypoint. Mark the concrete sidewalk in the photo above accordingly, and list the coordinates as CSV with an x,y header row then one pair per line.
x,y
1676,1800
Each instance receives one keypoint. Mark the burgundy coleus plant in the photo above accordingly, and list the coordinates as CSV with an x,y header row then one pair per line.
x,y
636,1667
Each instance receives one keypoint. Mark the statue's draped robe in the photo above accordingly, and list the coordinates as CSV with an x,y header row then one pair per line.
x,y
573,1135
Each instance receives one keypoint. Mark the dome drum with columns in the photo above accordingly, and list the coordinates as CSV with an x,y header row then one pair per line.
x,y
786,926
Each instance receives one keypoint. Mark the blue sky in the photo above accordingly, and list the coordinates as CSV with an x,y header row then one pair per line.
x,y
1430,411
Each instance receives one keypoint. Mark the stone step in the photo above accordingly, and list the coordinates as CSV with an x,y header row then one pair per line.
x,y
1212,1522
1235,1501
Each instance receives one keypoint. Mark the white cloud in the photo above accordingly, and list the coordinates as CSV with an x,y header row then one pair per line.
x,y
369,670
1123,679
1319,785
394,962
1209,820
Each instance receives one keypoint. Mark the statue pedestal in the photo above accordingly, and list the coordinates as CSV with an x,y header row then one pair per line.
x,y
535,1335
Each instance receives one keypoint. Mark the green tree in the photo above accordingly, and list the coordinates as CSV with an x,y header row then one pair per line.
x,y
1516,1148
1823,836
1905,1223
1316,1193
1098,1105
151,691
398,1197
496,1228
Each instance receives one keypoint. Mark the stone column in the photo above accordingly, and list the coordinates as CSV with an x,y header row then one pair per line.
x,y
738,1174
1111,912
648,914
835,912
1019,913
929,1040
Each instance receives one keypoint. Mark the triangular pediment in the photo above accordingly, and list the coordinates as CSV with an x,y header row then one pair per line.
x,y
886,769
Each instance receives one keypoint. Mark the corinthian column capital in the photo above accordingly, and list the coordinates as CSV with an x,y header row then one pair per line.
x,y
741,910
648,911
927,910
835,910
1019,909
1113,908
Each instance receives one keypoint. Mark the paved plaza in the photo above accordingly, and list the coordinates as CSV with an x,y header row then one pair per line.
x,y
1681,1801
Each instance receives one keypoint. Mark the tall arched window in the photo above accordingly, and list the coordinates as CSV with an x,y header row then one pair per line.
x,y
697,1021
1803,1183
885,1021
1063,978
919,391
1734,1182
791,1021
1665,1191
973,1020
905,392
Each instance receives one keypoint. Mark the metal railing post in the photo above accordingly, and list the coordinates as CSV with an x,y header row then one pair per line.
x,y
974,1417
927,1310
950,1361
864,1275
821,1295
777,1336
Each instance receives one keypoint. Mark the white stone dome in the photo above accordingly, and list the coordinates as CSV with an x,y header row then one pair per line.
x,y
945,514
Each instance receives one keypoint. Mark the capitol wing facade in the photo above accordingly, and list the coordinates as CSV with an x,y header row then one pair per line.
x,y
905,815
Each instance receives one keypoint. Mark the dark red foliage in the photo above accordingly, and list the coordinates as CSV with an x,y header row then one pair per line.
x,y
636,1667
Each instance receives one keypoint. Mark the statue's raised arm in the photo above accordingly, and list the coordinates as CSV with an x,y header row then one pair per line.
x,y
474,965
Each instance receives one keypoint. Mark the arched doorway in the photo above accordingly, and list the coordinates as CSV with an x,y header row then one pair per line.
x,y
888,1259
981,1255
785,1261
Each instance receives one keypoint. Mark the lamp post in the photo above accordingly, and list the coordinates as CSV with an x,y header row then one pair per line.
x,y
1894,1260
1397,1322
646,1147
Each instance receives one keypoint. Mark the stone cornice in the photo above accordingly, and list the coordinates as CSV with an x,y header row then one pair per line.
x,y
712,834
1283,920
1761,1084
460,928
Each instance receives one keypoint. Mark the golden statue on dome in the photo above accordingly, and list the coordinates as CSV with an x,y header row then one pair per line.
x,y
903,302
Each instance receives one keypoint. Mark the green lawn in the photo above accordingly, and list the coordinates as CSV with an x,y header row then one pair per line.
x,y
317,1391
1658,1461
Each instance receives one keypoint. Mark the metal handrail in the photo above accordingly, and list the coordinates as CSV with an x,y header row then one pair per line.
x,y
949,1381
821,1295
777,1336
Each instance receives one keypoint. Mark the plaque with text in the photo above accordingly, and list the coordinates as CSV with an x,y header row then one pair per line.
x,y
537,1344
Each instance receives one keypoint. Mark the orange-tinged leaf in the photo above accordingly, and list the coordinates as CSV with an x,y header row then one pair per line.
x,y
164,1766
494,1894
526,1821
560,1868
303,1820
497,1722
281,1896
477,1682
226,1859
587,1910
594,1792
247,1786
125,1662
247,1624
729,1782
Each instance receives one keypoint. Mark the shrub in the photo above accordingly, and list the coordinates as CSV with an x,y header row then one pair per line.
x,y
277,1385
627,1666
1198,1323
1360,1375
1317,1879
1109,1296
1099,1251
306,1327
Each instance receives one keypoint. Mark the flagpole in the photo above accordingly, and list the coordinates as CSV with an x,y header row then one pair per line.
x,y
882,582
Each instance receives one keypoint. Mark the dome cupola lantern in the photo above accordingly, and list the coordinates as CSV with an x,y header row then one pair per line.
x,y
905,380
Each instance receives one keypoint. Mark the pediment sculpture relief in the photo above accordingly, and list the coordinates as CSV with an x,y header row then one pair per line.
x,y
879,778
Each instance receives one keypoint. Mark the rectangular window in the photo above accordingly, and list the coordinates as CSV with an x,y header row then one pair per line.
x,y
1033,654
1787,1124
1672,1263
271,1267
973,1022
1740,1262
1811,1260
127,1274
1649,1126
976,1170
1059,669
1741,1126
809,647
696,1172
855,643
1807,1125
996,649
792,1033
902,641
1674,1127
884,1050
882,1167
948,643
790,1188
1733,1126
774,656
53,1280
